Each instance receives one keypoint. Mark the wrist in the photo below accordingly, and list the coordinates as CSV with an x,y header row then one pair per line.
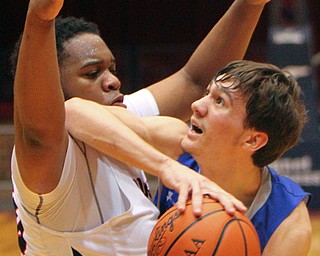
x,y
34,20
166,165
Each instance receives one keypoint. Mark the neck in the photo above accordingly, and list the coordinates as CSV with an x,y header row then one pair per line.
x,y
242,181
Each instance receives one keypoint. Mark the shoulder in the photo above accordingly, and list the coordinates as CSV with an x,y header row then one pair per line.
x,y
293,236
285,185
270,212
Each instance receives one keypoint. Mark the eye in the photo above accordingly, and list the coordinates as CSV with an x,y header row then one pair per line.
x,y
219,101
113,70
92,74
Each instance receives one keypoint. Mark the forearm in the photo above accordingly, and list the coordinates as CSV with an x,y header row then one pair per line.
x,y
227,41
108,134
162,132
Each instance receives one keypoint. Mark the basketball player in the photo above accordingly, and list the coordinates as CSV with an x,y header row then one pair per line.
x,y
70,198
251,115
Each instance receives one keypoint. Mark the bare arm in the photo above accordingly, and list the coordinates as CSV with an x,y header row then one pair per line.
x,y
162,132
109,134
227,41
40,136
124,136
293,236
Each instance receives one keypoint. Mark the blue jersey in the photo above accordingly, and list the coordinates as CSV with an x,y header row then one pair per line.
x,y
277,197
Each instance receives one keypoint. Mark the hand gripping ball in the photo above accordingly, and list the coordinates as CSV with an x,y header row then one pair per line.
x,y
214,233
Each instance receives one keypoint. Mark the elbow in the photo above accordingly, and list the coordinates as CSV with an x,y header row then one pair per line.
x,y
78,115
73,105
72,110
73,102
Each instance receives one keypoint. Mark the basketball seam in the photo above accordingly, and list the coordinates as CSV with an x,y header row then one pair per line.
x,y
223,231
188,227
243,235
172,209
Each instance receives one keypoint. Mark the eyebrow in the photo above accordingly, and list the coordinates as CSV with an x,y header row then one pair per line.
x,y
96,62
222,89
92,62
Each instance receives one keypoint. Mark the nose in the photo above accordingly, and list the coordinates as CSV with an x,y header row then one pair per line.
x,y
199,107
110,82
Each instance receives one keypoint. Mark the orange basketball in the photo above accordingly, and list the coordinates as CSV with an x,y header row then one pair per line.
x,y
214,233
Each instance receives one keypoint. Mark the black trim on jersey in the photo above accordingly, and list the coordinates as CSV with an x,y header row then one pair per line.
x,y
75,252
38,209
143,186
20,231
84,152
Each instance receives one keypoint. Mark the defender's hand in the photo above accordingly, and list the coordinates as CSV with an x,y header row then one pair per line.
x,y
188,184
257,2
45,10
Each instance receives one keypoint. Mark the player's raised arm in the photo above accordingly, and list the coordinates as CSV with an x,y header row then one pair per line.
x,y
40,137
227,41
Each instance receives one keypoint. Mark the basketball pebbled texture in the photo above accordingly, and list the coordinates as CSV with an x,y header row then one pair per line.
x,y
214,233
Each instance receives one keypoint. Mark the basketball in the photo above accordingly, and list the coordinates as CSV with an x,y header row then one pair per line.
x,y
214,233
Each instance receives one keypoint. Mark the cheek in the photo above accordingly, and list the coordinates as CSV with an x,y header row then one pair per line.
x,y
73,87
66,78
223,128
65,86
68,86
219,123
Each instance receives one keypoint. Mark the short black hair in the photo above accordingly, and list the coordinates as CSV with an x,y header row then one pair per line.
x,y
66,28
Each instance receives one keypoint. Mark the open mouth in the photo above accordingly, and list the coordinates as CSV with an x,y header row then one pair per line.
x,y
196,129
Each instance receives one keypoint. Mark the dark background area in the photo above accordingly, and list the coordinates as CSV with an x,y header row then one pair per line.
x,y
150,39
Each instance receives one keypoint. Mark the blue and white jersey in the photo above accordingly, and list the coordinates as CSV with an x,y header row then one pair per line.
x,y
276,198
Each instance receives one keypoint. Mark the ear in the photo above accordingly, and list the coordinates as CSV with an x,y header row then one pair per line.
x,y
255,140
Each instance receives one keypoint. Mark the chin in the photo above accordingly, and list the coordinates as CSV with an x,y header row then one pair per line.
x,y
187,145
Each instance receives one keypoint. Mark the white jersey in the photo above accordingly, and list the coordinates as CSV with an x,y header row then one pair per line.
x,y
100,207
141,103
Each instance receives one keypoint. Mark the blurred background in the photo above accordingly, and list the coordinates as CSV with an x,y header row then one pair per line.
x,y
153,39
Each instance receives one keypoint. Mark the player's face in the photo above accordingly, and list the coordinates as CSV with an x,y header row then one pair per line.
x,y
88,71
217,125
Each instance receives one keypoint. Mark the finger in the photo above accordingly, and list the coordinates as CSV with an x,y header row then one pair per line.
x,y
239,206
183,197
230,203
197,199
227,204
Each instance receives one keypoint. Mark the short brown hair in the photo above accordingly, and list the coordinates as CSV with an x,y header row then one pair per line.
x,y
274,105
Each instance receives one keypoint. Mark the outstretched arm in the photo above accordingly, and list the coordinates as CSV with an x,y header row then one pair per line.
x,y
109,134
227,41
40,136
